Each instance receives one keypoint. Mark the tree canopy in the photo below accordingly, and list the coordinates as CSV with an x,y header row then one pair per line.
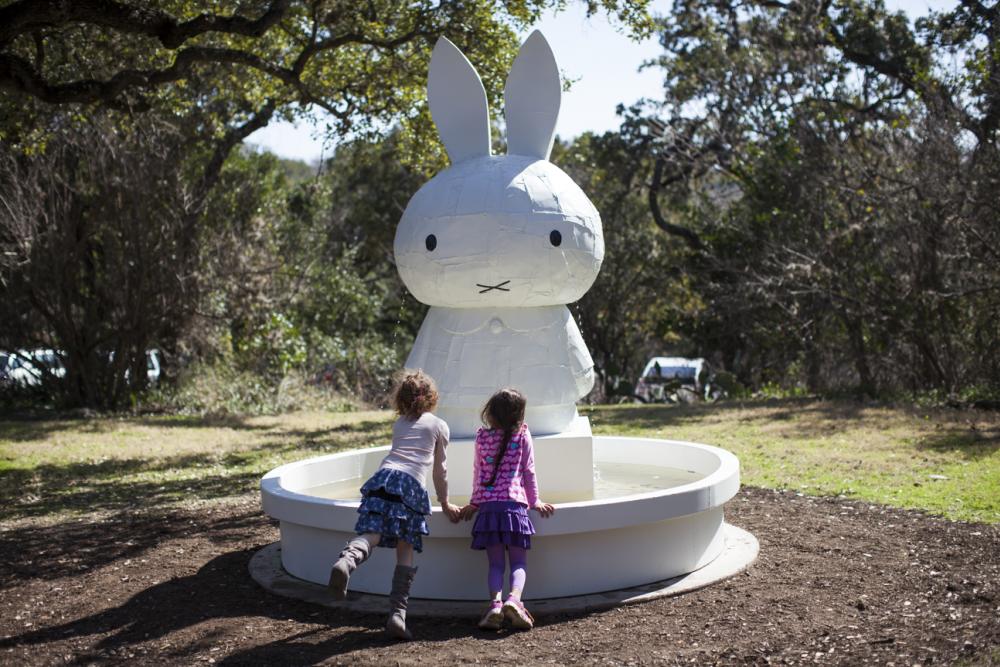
x,y
832,167
229,71
825,172
207,77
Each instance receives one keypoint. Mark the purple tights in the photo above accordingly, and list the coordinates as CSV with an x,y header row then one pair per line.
x,y
518,563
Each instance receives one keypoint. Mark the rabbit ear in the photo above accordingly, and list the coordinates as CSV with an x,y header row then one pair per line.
x,y
458,103
531,99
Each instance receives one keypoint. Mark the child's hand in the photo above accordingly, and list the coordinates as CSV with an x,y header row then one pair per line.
x,y
545,509
454,512
469,511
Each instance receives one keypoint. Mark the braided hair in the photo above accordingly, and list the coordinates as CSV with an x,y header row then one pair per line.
x,y
504,411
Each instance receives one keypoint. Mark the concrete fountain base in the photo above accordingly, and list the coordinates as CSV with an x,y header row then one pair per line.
x,y
738,554
671,529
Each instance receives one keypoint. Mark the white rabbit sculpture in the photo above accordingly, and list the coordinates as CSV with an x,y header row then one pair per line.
x,y
497,245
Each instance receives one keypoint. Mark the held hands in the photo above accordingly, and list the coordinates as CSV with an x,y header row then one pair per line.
x,y
545,509
454,512
469,511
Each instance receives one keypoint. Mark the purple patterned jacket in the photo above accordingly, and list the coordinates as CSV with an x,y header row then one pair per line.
x,y
516,479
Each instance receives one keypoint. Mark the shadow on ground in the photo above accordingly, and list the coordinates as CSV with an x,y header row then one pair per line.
x,y
809,410
832,574
971,445
118,483
73,548
20,429
220,590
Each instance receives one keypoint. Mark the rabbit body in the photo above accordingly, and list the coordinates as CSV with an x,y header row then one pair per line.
x,y
471,352
497,245
497,285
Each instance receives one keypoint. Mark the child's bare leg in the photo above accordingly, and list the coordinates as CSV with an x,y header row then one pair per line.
x,y
404,553
372,538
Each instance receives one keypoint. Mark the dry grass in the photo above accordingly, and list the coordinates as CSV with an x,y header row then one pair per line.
x,y
946,462
96,464
943,461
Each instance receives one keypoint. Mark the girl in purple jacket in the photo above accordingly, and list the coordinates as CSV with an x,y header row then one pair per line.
x,y
503,489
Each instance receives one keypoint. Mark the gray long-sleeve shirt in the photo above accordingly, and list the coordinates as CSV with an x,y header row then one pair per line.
x,y
416,446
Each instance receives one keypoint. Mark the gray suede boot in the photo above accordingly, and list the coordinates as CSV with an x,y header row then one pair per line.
x,y
355,553
402,578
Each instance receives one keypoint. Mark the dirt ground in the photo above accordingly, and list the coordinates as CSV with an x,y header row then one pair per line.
x,y
837,582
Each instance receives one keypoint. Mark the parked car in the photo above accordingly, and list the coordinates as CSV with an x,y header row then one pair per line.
x,y
152,366
674,380
28,368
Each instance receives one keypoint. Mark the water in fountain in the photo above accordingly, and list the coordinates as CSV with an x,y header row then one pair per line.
x,y
612,480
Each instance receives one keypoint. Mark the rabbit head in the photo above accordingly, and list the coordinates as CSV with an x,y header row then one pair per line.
x,y
498,230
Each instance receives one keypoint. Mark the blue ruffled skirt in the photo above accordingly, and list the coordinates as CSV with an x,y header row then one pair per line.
x,y
394,505
502,522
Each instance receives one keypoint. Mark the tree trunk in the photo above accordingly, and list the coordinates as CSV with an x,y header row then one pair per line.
x,y
856,336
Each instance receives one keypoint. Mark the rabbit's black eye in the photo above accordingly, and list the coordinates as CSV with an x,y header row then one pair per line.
x,y
555,238
431,242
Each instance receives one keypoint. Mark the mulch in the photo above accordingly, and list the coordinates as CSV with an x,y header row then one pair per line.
x,y
837,582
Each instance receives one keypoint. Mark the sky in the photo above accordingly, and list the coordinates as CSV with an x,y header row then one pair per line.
x,y
602,63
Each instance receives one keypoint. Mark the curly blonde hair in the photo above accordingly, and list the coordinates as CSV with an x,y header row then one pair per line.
x,y
414,393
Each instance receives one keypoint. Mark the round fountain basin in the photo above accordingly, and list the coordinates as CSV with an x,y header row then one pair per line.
x,y
588,546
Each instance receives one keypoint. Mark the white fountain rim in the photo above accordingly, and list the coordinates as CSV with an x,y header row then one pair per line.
x,y
713,490
728,463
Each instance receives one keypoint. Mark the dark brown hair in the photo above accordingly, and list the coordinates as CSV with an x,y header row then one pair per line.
x,y
504,411
414,393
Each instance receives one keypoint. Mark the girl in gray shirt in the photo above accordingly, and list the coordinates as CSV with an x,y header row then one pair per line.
x,y
394,503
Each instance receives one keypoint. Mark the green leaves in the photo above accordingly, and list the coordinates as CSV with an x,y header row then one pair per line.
x,y
849,139
364,64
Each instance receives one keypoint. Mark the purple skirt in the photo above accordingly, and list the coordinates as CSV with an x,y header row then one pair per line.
x,y
502,522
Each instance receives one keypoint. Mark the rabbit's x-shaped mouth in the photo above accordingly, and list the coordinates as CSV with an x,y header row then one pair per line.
x,y
498,286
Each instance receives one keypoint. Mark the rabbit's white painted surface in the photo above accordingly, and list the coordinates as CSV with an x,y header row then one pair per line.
x,y
532,97
472,352
480,235
498,245
458,103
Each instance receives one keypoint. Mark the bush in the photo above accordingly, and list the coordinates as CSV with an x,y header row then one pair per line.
x,y
222,389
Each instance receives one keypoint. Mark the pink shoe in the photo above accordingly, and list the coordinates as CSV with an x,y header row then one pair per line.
x,y
519,617
493,618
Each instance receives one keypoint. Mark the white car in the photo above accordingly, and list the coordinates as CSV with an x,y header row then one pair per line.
x,y
27,368
152,366
662,375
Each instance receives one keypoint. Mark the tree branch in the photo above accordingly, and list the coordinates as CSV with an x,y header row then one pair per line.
x,y
927,88
690,237
27,15
213,168
18,74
